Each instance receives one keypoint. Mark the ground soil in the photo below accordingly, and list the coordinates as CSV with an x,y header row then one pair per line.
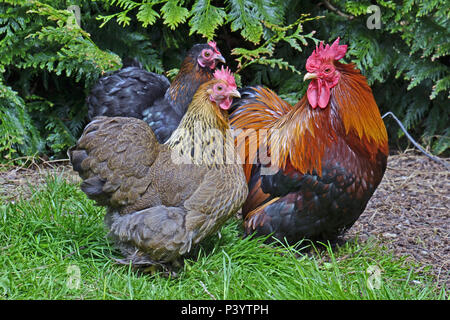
x,y
409,212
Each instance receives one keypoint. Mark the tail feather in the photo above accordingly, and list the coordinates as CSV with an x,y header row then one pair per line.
x,y
113,157
126,92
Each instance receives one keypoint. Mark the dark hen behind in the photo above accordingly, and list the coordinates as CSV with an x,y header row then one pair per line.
x,y
135,92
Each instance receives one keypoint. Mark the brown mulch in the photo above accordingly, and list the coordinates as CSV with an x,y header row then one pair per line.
x,y
19,181
409,212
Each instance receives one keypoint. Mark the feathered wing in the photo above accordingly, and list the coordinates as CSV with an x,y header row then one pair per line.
x,y
220,195
167,232
162,118
126,93
113,157
303,204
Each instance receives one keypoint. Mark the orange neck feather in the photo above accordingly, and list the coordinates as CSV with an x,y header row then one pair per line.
x,y
357,106
304,134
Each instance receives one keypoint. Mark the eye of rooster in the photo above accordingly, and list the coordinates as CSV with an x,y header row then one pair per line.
x,y
219,87
327,71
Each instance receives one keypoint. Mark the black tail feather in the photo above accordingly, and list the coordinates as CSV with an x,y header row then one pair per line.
x,y
76,158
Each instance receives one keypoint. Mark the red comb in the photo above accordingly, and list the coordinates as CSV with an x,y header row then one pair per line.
x,y
214,46
327,53
226,75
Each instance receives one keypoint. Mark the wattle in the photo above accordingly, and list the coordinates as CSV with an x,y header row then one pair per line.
x,y
226,103
318,93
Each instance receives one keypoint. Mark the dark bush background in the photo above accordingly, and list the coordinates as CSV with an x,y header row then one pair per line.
x,y
49,63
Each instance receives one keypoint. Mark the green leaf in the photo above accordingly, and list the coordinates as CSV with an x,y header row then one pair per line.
x,y
244,16
123,19
270,11
442,143
147,15
441,85
206,18
174,14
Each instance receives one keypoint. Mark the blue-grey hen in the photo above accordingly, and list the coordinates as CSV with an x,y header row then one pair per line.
x,y
162,199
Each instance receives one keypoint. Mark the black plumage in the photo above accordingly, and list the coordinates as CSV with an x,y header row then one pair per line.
x,y
308,205
126,93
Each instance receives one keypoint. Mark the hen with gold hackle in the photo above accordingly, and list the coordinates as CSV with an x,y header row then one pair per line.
x,y
163,199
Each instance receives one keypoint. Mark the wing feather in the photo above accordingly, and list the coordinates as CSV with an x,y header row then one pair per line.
x,y
213,203
113,156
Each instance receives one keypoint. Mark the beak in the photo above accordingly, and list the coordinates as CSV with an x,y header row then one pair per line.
x,y
220,58
309,76
235,94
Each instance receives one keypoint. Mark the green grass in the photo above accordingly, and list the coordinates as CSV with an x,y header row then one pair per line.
x,y
46,239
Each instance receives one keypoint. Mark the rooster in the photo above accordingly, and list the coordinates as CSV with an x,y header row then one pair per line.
x,y
162,199
325,156
134,92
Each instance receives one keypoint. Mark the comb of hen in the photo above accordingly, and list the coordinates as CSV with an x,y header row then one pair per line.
x,y
213,45
226,75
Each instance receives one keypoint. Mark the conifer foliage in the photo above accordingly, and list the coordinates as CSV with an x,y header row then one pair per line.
x,y
50,56
41,47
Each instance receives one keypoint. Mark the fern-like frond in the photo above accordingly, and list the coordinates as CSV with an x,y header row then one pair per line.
x,y
174,14
206,18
